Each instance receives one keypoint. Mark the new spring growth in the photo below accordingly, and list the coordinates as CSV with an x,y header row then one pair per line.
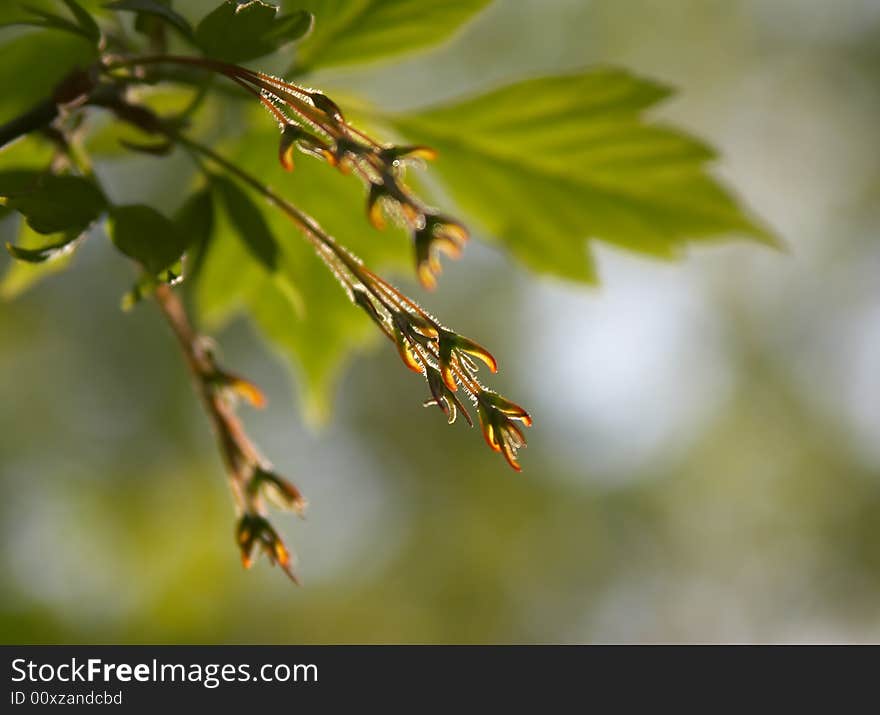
x,y
449,362
255,533
312,122
380,166
277,489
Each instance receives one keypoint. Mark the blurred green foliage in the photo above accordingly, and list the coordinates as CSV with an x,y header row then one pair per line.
x,y
544,163
548,162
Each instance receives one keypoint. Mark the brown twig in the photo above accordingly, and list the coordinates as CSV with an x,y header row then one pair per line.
x,y
248,471
235,447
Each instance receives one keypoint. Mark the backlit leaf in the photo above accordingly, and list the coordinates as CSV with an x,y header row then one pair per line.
x,y
248,222
43,253
548,163
53,203
195,221
355,31
144,234
20,275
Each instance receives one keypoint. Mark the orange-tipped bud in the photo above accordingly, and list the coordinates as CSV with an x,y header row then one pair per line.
x,y
374,205
437,234
501,434
511,409
402,153
478,351
254,529
240,386
405,350
286,146
426,276
249,391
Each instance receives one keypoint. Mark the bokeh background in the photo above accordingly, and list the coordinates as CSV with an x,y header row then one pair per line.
x,y
705,463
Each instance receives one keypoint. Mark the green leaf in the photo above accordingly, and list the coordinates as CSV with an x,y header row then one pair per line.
x,y
142,233
195,221
84,19
52,203
42,253
20,275
14,182
547,163
356,31
318,336
248,222
155,8
237,33
85,25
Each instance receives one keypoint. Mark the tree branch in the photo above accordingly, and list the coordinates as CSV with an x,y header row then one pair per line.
x,y
235,447
37,117
248,471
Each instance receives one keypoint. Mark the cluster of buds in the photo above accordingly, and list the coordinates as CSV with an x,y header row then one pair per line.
x,y
313,123
254,533
253,479
449,362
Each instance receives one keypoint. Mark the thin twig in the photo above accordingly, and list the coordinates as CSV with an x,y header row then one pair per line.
x,y
235,447
34,119
248,471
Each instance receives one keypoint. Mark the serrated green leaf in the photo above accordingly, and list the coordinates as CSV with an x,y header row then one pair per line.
x,y
320,338
142,233
155,8
243,32
20,276
355,31
52,203
548,163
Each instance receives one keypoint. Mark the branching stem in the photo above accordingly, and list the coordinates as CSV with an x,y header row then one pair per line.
x,y
236,449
